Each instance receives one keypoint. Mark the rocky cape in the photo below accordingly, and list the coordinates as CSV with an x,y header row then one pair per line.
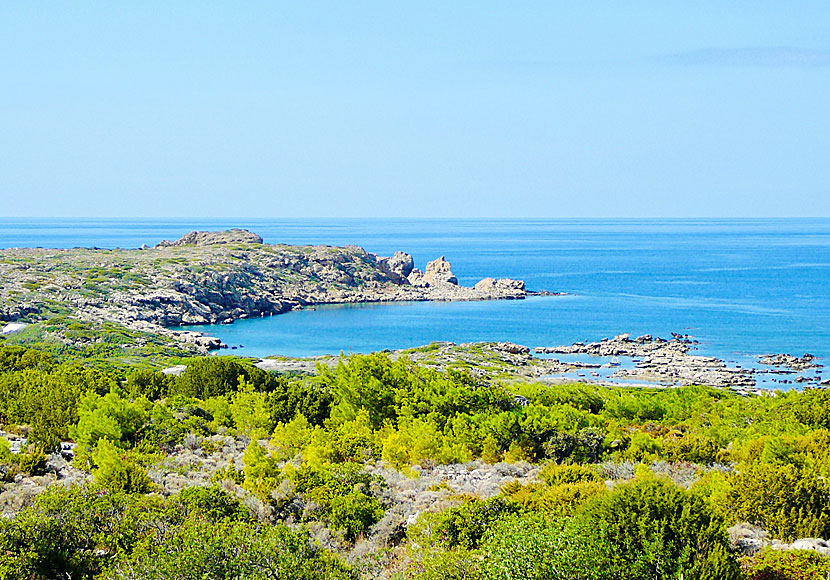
x,y
217,277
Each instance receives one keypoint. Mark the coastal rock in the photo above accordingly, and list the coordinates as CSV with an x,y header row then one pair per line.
x,y
416,278
790,362
197,238
439,272
512,348
662,361
400,264
201,341
213,278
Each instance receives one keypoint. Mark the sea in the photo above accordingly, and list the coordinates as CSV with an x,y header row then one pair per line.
x,y
741,287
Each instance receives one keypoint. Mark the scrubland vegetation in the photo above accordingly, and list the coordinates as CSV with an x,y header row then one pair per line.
x,y
630,483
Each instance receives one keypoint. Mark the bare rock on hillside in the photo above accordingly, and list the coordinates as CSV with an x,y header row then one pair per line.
x,y
233,236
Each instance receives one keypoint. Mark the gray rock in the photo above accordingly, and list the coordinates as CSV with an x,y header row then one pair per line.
x,y
400,264
416,278
210,238
439,272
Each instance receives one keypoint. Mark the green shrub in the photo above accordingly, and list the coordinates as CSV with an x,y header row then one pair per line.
x,y
72,532
554,474
110,417
529,548
147,383
466,525
787,500
32,459
214,376
787,565
354,513
18,358
212,504
116,471
562,499
654,530
228,549
261,473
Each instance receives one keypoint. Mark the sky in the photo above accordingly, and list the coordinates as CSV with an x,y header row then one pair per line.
x,y
427,109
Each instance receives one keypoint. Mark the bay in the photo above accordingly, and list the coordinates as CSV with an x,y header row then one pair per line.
x,y
740,287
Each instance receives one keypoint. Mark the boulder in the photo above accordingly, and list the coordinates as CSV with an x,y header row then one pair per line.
x,y
439,272
512,348
509,284
486,285
400,264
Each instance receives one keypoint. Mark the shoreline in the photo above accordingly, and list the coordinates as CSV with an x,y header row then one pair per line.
x,y
654,363
217,277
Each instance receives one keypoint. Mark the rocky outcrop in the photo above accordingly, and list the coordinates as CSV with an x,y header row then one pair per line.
x,y
416,278
500,285
439,272
748,539
233,236
662,361
400,264
790,362
217,277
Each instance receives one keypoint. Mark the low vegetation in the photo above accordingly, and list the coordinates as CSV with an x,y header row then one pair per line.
x,y
624,483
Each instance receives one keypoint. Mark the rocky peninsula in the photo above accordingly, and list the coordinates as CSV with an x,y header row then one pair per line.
x,y
214,277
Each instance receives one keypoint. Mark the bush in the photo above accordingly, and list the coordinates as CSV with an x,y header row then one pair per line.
x,y
147,383
68,533
651,529
228,549
18,358
554,474
116,471
562,499
528,548
787,565
32,460
110,417
214,376
212,504
787,500
354,513
286,399
466,525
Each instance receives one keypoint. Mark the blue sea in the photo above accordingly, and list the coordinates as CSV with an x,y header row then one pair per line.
x,y
740,287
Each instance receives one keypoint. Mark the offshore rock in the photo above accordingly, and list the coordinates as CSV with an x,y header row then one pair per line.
x,y
791,362
662,361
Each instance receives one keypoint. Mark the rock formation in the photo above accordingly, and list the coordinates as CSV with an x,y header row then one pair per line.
x,y
216,277
210,238
439,272
400,264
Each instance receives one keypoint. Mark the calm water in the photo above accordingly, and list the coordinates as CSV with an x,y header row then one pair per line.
x,y
741,287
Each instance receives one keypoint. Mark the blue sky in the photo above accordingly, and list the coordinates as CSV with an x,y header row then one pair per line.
x,y
428,109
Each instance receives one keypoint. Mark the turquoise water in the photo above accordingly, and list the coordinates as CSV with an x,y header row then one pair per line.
x,y
741,287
